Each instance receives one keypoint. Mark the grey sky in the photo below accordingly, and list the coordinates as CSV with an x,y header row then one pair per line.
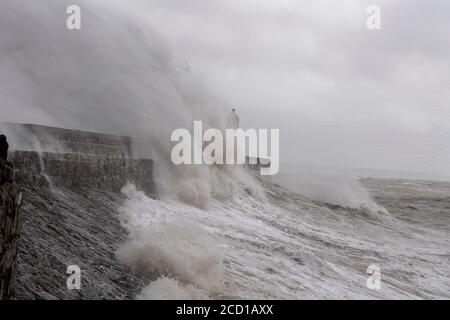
x,y
342,95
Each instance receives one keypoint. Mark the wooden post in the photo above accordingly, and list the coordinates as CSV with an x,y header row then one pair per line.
x,y
10,229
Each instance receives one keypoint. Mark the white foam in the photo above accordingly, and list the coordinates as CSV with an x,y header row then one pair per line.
x,y
286,247
170,289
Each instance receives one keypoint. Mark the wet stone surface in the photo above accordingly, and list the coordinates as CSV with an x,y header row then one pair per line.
x,y
65,227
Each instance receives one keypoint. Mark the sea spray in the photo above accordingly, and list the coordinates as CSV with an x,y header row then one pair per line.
x,y
182,258
115,75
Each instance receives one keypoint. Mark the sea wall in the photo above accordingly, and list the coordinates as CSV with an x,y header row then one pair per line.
x,y
71,183
50,139
106,173
47,156
10,229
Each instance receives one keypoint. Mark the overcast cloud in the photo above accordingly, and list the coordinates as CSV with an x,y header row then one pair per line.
x,y
341,94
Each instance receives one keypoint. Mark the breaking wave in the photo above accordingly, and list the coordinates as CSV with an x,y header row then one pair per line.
x,y
115,75
185,260
215,232
286,246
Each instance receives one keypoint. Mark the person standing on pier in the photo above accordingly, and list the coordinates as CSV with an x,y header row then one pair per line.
x,y
3,148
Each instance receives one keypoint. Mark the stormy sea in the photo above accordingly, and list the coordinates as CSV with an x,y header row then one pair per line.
x,y
103,194
268,242
287,246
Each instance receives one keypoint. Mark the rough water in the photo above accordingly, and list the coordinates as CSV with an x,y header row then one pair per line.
x,y
290,247
116,75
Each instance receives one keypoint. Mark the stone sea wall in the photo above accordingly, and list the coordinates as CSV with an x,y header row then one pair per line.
x,y
44,156
106,173
51,139
71,183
